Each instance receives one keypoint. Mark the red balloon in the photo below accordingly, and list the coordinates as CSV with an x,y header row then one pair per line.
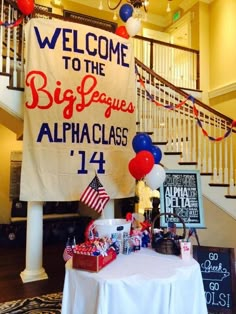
x,y
25,6
122,32
135,170
145,160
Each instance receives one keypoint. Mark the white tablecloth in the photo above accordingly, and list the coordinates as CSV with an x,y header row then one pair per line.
x,y
143,282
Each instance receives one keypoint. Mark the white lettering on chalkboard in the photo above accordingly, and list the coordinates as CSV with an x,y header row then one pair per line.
x,y
217,299
216,271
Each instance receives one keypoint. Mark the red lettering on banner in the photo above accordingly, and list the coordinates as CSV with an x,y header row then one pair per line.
x,y
42,98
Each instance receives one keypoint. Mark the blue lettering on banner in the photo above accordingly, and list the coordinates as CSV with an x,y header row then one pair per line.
x,y
51,44
81,133
94,46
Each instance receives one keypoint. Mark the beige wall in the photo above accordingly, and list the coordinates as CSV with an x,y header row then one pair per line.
x,y
8,143
220,227
222,43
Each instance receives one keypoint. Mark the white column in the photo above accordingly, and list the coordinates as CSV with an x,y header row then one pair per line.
x,y
34,244
109,210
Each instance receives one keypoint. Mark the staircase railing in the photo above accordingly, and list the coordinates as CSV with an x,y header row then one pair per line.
x,y
178,65
11,43
200,135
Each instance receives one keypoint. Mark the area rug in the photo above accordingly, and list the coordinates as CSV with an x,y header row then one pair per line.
x,y
45,304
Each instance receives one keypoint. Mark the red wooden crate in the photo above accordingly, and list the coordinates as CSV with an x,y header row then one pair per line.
x,y
92,263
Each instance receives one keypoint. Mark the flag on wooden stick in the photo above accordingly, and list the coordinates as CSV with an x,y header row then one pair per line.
x,y
67,253
95,196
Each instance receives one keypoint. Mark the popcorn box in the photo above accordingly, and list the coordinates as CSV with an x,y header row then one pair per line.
x,y
92,263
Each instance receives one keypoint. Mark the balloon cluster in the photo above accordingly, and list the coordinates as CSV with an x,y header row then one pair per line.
x,y
132,25
145,165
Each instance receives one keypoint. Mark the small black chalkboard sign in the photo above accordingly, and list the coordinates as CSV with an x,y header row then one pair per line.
x,y
218,273
181,194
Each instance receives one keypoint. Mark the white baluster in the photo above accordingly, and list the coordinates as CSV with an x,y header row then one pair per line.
x,y
220,155
226,159
194,140
215,152
231,168
209,161
1,38
8,60
14,49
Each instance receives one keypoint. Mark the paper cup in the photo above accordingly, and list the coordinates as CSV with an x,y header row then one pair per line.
x,y
185,250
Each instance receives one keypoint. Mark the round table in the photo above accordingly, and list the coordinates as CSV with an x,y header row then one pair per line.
x,y
139,283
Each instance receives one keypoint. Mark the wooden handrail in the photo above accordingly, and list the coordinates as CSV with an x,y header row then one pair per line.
x,y
155,41
181,92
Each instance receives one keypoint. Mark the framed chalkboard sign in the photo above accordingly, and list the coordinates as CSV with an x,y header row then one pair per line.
x,y
218,273
181,195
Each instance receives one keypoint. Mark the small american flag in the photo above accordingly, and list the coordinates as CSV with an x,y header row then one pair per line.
x,y
95,195
68,253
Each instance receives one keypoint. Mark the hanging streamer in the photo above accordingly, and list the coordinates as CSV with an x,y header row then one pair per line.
x,y
195,110
211,138
12,24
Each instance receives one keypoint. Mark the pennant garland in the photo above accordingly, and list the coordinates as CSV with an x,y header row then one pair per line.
x,y
95,195
12,24
195,111
216,139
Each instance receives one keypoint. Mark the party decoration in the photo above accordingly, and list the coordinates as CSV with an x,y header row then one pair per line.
x,y
133,26
12,24
141,164
25,6
156,177
157,154
142,141
150,97
145,161
134,169
126,11
122,32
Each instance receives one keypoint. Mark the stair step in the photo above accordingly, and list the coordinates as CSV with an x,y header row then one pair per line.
x,y
173,153
149,133
187,163
231,196
219,184
159,143
21,89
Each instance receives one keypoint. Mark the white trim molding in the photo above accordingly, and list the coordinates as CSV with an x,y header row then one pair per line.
x,y
222,90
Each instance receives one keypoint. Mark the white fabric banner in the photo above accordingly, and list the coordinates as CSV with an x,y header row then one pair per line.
x,y
79,114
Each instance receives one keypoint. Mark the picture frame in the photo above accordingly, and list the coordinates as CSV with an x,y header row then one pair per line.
x,y
181,194
217,265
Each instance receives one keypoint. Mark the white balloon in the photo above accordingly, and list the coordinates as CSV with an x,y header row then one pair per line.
x,y
156,177
133,26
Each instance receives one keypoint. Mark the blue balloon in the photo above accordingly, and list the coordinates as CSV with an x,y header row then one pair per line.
x,y
142,141
157,154
126,11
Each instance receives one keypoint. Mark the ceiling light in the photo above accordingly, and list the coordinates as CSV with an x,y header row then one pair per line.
x,y
168,9
137,4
